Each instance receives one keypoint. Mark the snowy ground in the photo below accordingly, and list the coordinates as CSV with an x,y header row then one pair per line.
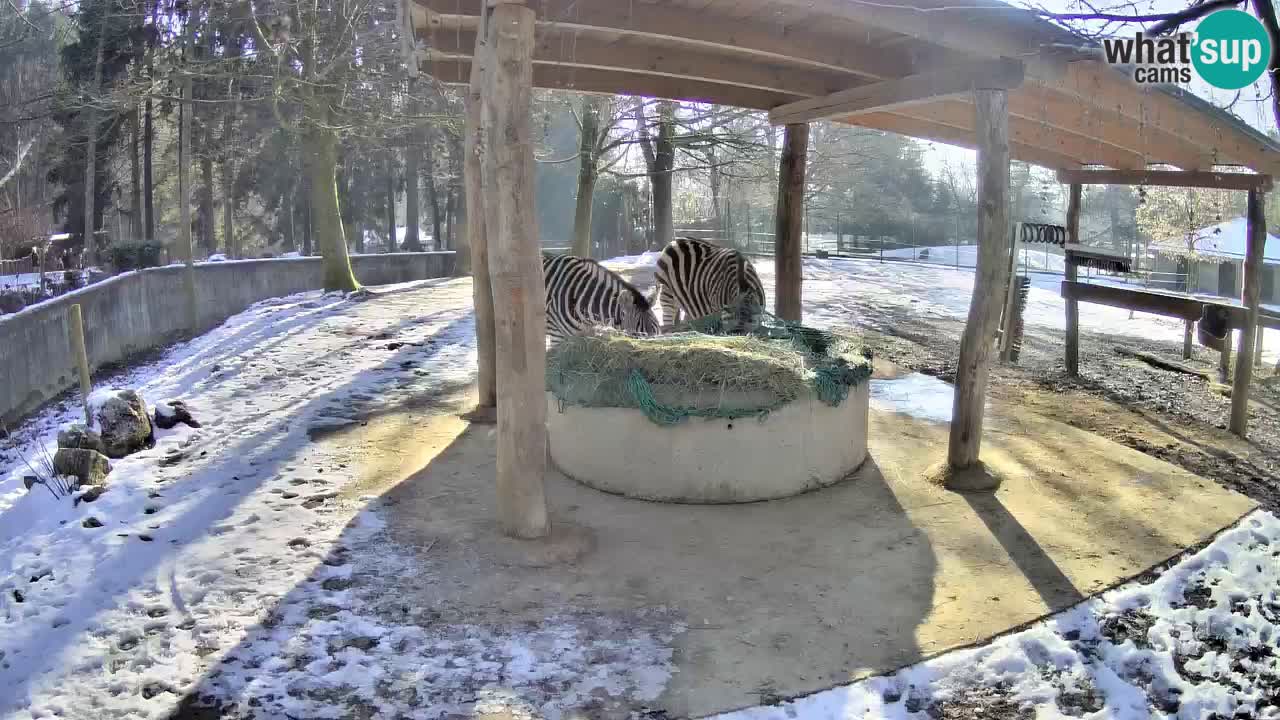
x,y
231,546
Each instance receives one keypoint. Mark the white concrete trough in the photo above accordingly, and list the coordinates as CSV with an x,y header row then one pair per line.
x,y
804,445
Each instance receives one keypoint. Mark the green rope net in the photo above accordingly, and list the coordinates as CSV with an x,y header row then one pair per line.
x,y
700,371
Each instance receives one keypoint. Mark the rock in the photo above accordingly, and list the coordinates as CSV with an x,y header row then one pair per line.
x,y
171,412
78,436
89,466
124,424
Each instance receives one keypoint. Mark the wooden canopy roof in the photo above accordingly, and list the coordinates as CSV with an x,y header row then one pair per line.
x,y
904,66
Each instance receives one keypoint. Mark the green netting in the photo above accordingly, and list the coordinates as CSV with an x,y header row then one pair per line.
x,y
698,371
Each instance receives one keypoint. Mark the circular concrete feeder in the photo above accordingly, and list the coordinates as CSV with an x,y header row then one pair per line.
x,y
803,445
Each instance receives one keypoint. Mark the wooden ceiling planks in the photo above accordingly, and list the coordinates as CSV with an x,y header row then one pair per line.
x,y
761,54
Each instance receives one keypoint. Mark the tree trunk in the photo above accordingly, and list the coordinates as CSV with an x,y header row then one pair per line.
x,y
665,157
587,173
391,204
148,187
322,174
717,197
433,200
790,212
207,238
228,191
184,205
992,133
475,257
135,179
412,233
91,150
516,273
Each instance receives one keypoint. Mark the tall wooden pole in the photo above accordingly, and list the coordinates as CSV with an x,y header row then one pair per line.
x,y
790,217
477,250
1073,307
1257,234
515,270
990,275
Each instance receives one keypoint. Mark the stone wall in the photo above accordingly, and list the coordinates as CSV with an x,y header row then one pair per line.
x,y
143,310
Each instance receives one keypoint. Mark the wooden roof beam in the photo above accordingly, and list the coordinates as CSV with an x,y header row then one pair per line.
x,y
554,46
457,71
1036,103
939,132
723,34
1098,86
957,25
913,89
1031,134
1168,178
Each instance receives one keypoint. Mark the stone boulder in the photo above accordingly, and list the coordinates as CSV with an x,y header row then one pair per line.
x,y
89,466
124,424
171,412
78,436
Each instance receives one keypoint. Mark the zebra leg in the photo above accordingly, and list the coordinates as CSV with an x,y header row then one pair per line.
x,y
670,311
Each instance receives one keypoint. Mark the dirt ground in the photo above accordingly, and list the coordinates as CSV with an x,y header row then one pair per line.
x,y
1178,418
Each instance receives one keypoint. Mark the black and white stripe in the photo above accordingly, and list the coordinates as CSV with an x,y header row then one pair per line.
x,y
581,294
699,278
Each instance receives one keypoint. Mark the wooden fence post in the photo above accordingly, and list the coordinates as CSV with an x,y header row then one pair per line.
x,y
515,270
788,263
1256,222
1186,339
75,329
972,371
1073,307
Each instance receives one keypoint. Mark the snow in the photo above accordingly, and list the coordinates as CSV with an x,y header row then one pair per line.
x,y
223,548
1180,660
1230,239
217,257
218,546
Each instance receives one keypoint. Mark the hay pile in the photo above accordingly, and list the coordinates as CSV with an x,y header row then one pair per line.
x,y
671,377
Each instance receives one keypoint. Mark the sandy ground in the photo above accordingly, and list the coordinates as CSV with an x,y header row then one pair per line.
x,y
782,598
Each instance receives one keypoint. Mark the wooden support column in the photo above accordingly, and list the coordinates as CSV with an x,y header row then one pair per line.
x,y
1257,234
1073,307
789,222
1187,328
515,270
477,239
992,136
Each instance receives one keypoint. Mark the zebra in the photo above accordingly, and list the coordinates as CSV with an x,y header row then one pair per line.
x,y
582,293
699,278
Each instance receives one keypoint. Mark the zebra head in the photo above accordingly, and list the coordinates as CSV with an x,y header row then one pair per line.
x,y
637,314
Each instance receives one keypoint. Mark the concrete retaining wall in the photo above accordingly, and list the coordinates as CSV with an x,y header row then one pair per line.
x,y
139,311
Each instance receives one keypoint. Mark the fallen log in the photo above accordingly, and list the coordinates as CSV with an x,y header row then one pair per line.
x,y
1163,364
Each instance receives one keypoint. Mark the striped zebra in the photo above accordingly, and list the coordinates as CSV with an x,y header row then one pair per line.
x,y
582,293
698,278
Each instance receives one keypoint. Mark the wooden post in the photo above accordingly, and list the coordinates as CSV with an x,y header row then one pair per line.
x,y
1257,347
790,216
1257,234
477,238
75,330
1010,301
1073,307
515,270
991,125
1186,339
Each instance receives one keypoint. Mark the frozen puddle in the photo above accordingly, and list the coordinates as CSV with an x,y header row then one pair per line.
x,y
921,396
